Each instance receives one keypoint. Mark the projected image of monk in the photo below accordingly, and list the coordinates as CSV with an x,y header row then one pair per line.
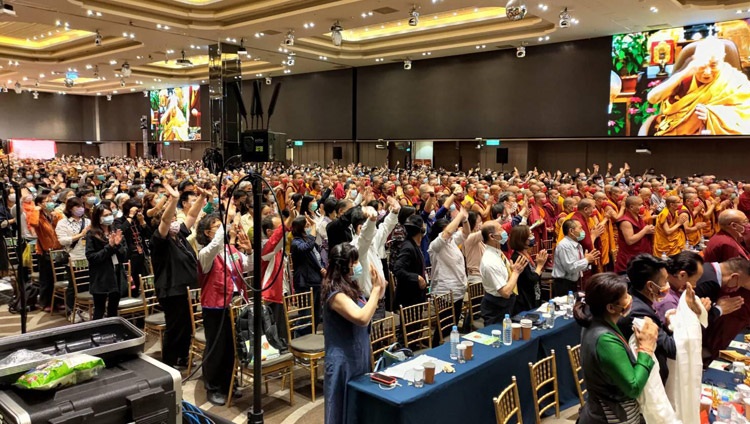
x,y
707,97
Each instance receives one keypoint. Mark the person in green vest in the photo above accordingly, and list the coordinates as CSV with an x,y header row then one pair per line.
x,y
614,375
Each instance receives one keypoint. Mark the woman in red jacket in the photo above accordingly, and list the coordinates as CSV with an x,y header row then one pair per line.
x,y
220,269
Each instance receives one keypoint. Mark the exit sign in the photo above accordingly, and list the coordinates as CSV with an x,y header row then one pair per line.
x,y
298,143
493,142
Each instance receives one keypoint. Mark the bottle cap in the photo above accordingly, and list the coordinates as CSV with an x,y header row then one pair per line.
x,y
725,398
455,328
507,315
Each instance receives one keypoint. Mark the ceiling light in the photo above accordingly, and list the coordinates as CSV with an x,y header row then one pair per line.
x,y
574,21
132,90
515,10
289,39
286,71
41,75
407,65
259,34
565,18
113,62
35,94
17,87
308,25
654,9
322,57
543,7
170,51
336,37
158,26
69,82
183,62
521,52
122,83
90,12
139,57
89,66
25,78
166,27
98,39
114,92
109,97
413,16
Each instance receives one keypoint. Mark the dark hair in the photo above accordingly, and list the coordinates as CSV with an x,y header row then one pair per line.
x,y
357,218
204,225
473,217
487,231
239,193
686,260
518,239
267,223
497,210
70,204
337,277
298,227
413,225
602,290
130,204
184,197
644,268
568,225
305,205
182,186
97,229
437,228
341,204
405,212
296,198
329,206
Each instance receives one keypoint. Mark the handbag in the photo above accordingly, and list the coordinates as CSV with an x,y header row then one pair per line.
x,y
394,354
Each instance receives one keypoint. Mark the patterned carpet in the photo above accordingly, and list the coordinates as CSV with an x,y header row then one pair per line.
x,y
275,403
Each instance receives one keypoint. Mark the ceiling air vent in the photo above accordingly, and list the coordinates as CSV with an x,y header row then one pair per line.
x,y
385,10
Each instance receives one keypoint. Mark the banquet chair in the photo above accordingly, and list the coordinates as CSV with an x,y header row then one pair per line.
x,y
543,375
154,323
84,301
416,326
34,265
445,317
508,404
198,342
131,307
391,291
574,353
10,246
382,335
310,348
472,312
280,367
59,277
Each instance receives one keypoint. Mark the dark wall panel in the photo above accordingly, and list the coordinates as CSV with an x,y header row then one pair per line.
x,y
52,116
310,106
119,119
559,90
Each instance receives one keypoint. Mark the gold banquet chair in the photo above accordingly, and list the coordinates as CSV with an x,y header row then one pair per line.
x,y
198,342
310,348
416,326
84,301
155,322
574,353
544,373
59,277
508,404
445,316
382,335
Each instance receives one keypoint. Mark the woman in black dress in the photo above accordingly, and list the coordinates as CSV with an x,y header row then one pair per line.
x,y
529,297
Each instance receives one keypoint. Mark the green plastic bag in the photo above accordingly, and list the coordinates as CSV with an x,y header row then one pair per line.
x,y
61,372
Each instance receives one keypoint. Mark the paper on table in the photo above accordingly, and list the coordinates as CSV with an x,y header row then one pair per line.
x,y
718,365
480,338
404,370
738,345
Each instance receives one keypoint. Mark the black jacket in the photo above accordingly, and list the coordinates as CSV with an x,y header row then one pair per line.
x,y
103,277
340,230
709,286
306,265
407,269
665,347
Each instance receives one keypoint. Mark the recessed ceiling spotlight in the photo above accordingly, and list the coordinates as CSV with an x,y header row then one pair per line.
x,y
259,34
286,71
323,57
113,62
41,75
654,9
132,90
379,59
25,78
543,7
89,66
308,25
426,53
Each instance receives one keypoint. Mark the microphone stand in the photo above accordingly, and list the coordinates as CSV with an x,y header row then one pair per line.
x,y
255,415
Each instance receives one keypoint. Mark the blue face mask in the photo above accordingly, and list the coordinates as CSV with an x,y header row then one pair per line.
x,y
532,241
453,208
314,206
357,272
100,177
107,220
50,206
308,230
718,192
503,237
581,236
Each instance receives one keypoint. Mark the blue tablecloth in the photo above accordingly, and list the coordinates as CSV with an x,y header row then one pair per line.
x,y
466,396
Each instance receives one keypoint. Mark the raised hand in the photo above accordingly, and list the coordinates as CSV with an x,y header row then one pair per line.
x,y
243,241
519,265
541,257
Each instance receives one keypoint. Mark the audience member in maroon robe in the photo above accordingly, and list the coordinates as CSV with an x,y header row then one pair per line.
x,y
726,244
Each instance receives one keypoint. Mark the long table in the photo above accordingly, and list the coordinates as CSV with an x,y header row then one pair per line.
x,y
466,395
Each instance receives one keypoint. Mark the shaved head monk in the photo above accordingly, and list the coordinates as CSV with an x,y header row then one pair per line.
x,y
727,242
669,237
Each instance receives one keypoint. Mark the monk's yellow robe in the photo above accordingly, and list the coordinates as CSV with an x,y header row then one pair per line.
x,y
669,244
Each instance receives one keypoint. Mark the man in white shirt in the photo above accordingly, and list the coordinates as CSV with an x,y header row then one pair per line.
x,y
570,259
499,276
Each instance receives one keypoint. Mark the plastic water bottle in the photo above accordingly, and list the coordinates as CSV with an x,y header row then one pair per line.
x,y
551,312
664,256
507,330
571,298
725,409
455,340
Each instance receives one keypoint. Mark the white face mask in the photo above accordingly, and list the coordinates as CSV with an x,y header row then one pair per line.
x,y
174,228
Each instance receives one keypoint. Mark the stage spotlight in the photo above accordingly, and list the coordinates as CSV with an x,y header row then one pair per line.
x,y
17,88
289,39
520,52
109,97
35,94
98,39
413,16
407,65
515,10
564,18
125,70
268,81
336,36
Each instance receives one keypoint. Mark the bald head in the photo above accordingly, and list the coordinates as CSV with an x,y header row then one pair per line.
x,y
586,207
732,216
631,201
569,204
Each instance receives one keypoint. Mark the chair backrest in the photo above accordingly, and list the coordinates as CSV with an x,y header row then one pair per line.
x,y
10,244
391,289
508,404
79,271
574,353
148,290
476,293
382,335
544,373
444,313
59,266
196,312
416,325
298,312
